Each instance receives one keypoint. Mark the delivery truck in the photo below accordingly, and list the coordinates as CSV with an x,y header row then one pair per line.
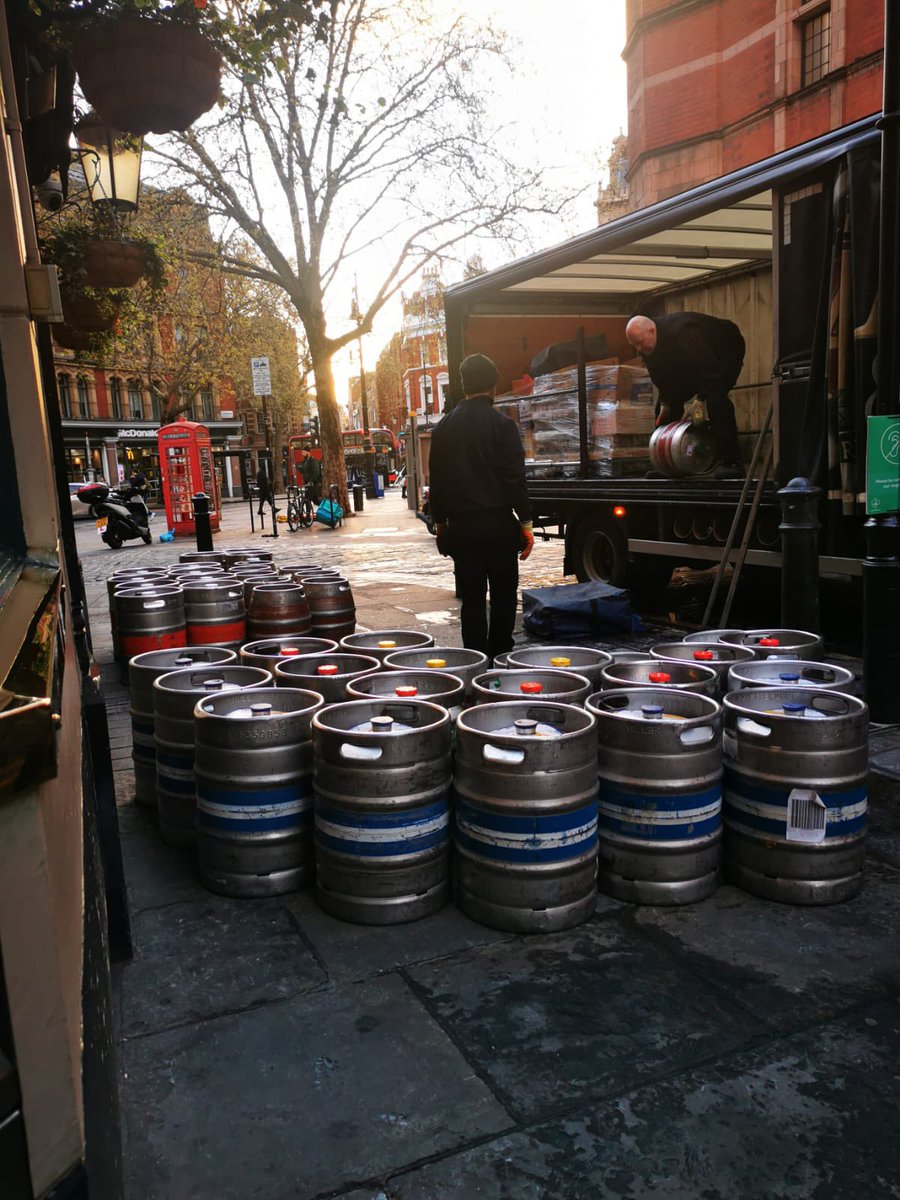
x,y
787,249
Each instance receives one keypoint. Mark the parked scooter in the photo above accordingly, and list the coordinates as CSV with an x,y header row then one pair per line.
x,y
120,515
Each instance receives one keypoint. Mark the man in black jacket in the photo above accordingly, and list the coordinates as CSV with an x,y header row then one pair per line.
x,y
690,354
479,502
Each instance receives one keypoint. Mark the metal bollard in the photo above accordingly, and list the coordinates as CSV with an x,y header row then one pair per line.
x,y
200,505
799,530
881,630
358,497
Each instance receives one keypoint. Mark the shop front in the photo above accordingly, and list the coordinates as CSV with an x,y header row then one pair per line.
x,y
112,450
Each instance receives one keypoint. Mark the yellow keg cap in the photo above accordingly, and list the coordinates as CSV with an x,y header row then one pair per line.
x,y
560,662
386,645
436,663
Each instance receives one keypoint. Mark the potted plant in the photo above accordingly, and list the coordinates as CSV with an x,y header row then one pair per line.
x,y
146,70
96,254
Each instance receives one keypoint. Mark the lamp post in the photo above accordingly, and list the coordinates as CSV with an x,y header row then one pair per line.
x,y
111,161
368,448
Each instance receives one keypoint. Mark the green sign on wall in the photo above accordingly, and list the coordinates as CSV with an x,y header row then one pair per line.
x,y
883,465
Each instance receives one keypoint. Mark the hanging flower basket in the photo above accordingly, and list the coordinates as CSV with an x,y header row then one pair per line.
x,y
113,264
72,339
89,315
147,76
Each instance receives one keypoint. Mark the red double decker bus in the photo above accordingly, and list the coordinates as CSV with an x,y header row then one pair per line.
x,y
383,441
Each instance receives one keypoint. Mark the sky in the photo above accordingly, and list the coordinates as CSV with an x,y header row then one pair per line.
x,y
568,100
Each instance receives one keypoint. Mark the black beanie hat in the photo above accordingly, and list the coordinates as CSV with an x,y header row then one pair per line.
x,y
478,374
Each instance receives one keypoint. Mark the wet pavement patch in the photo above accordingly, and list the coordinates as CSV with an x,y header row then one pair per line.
x,y
807,1118
210,956
790,964
554,1020
294,1099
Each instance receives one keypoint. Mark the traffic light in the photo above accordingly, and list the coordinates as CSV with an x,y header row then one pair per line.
x,y
314,428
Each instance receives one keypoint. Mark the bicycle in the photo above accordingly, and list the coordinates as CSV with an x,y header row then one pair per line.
x,y
300,508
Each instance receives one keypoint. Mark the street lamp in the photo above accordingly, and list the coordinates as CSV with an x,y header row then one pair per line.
x,y
368,448
111,161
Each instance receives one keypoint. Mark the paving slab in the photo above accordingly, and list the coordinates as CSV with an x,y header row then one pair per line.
x,y
789,964
351,952
811,1117
211,956
155,874
292,1100
554,1020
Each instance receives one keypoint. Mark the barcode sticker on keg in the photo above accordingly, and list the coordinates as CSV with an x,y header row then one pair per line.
x,y
805,817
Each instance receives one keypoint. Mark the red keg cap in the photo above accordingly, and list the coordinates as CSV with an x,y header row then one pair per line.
x,y
660,677
327,669
703,655
531,687
407,690
287,651
769,641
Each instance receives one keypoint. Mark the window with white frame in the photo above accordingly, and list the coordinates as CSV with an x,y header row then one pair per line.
x,y
135,400
115,398
64,386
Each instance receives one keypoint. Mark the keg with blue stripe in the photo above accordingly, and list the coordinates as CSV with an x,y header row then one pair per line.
x,y
525,792
778,672
142,670
501,687
253,773
659,762
381,773
175,697
382,642
649,672
717,655
438,687
453,660
327,674
796,802
583,660
778,643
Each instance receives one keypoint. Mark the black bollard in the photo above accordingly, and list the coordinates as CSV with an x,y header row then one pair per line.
x,y
881,627
799,530
200,504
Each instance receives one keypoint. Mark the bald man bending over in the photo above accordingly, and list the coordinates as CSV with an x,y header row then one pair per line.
x,y
690,354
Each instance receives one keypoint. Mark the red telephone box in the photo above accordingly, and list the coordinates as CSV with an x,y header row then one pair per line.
x,y
186,467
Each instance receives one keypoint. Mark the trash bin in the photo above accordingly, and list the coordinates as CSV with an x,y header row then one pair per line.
x,y
359,493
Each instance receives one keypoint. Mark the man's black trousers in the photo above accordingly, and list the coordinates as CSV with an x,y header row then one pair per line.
x,y
485,549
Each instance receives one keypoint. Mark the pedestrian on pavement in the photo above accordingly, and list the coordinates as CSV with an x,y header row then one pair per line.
x,y
480,506
311,473
266,489
691,354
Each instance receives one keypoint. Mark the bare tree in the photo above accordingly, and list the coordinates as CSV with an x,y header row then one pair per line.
x,y
365,137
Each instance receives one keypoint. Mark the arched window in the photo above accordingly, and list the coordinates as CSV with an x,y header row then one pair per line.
x,y
206,403
135,400
155,402
115,398
83,403
64,383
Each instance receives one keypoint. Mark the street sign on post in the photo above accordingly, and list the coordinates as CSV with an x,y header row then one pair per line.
x,y
883,465
262,376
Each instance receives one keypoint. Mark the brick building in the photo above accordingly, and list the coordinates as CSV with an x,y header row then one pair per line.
x,y
423,348
716,84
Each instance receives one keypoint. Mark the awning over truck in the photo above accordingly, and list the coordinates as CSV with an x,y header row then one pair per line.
x,y
719,226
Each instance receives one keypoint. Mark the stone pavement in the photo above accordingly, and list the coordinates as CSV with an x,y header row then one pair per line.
x,y
731,1049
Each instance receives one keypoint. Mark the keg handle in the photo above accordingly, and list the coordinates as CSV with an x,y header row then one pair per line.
x,y
753,728
502,754
831,706
699,735
360,753
153,604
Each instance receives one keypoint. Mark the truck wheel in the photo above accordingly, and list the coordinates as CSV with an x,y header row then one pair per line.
x,y
600,551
